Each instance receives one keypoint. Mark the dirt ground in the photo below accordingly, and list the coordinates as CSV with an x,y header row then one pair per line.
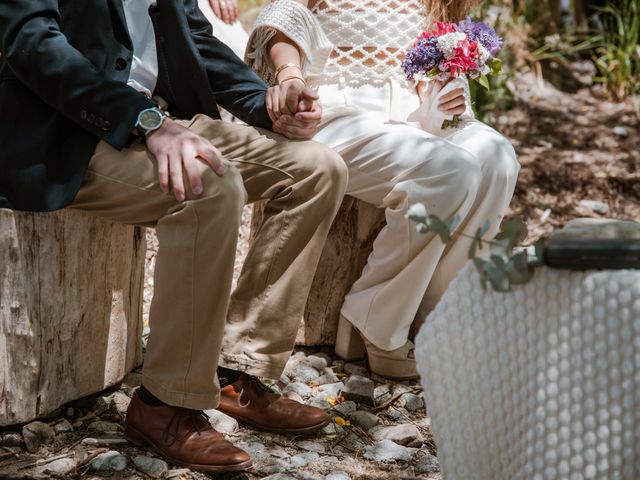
x,y
572,148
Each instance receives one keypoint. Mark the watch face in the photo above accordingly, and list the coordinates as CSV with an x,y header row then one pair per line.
x,y
150,119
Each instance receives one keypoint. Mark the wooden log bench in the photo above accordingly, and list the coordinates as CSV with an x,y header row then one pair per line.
x,y
70,309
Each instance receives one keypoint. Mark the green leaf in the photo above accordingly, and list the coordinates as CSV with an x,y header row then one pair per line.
x,y
473,248
417,212
500,260
438,226
422,228
485,227
538,260
495,64
453,223
500,247
518,269
497,278
480,265
484,81
476,244
514,231
434,72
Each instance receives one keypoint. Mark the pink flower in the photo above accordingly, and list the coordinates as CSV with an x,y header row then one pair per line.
x,y
442,28
463,60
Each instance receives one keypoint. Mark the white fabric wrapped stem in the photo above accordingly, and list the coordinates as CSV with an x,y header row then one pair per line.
x,y
428,115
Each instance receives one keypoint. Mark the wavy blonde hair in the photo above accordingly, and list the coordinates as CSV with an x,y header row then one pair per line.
x,y
449,10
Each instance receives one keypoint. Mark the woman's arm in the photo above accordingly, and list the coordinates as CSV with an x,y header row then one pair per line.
x,y
284,51
287,45
286,59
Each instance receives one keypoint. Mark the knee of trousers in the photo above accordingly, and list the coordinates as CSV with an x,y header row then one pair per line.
x,y
326,170
224,192
498,157
464,173
456,176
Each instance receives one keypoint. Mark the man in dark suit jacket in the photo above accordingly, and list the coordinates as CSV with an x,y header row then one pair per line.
x,y
82,86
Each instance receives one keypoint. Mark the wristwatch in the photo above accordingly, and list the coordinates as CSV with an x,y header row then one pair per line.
x,y
149,120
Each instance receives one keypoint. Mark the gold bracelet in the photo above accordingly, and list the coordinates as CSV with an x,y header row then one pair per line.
x,y
293,77
285,66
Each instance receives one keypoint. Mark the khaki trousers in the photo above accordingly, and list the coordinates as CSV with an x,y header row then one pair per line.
x,y
303,184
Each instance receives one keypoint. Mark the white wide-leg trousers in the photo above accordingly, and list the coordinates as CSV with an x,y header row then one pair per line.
x,y
394,164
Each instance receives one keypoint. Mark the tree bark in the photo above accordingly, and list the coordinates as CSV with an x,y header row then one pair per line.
x,y
70,309
345,254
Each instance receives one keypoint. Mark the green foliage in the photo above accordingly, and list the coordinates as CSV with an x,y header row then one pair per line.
x,y
618,56
487,101
503,267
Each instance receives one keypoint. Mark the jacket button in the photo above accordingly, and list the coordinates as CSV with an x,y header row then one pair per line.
x,y
83,114
99,122
106,126
121,64
91,118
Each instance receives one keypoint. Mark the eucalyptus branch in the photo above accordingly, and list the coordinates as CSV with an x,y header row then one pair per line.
x,y
503,268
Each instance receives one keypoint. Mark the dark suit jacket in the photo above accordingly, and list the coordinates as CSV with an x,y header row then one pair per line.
x,y
63,70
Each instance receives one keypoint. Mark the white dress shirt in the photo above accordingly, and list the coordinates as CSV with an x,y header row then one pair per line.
x,y
143,75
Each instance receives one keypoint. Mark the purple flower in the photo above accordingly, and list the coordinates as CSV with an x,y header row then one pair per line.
x,y
482,33
422,58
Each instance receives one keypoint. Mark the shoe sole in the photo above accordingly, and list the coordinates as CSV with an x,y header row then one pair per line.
x,y
136,437
297,431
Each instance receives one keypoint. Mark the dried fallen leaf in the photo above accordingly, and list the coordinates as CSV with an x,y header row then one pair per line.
x,y
342,422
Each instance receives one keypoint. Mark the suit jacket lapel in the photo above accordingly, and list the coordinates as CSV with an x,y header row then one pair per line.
x,y
119,8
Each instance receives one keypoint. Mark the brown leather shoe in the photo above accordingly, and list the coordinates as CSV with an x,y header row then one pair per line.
x,y
183,437
250,401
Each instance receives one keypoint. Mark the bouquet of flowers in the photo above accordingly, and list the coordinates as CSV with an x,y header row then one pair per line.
x,y
468,48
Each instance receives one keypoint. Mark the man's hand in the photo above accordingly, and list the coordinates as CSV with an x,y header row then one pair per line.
x,y
289,98
293,109
225,10
176,148
301,126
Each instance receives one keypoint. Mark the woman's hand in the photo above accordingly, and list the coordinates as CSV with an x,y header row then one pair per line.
x,y
225,10
453,103
302,125
288,98
293,109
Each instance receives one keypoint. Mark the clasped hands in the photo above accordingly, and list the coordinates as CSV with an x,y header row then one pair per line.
x,y
293,108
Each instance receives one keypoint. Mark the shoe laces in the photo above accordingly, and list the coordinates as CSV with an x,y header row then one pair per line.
x,y
252,382
198,419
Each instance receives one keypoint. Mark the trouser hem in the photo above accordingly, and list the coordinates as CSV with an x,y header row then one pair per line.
x,y
271,369
193,401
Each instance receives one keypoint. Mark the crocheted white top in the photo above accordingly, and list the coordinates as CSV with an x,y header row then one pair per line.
x,y
348,42
369,37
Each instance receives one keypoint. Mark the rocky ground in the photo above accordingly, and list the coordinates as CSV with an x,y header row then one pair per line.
x,y
380,431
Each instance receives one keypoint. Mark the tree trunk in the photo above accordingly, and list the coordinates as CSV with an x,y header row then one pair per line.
x,y
344,256
70,309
